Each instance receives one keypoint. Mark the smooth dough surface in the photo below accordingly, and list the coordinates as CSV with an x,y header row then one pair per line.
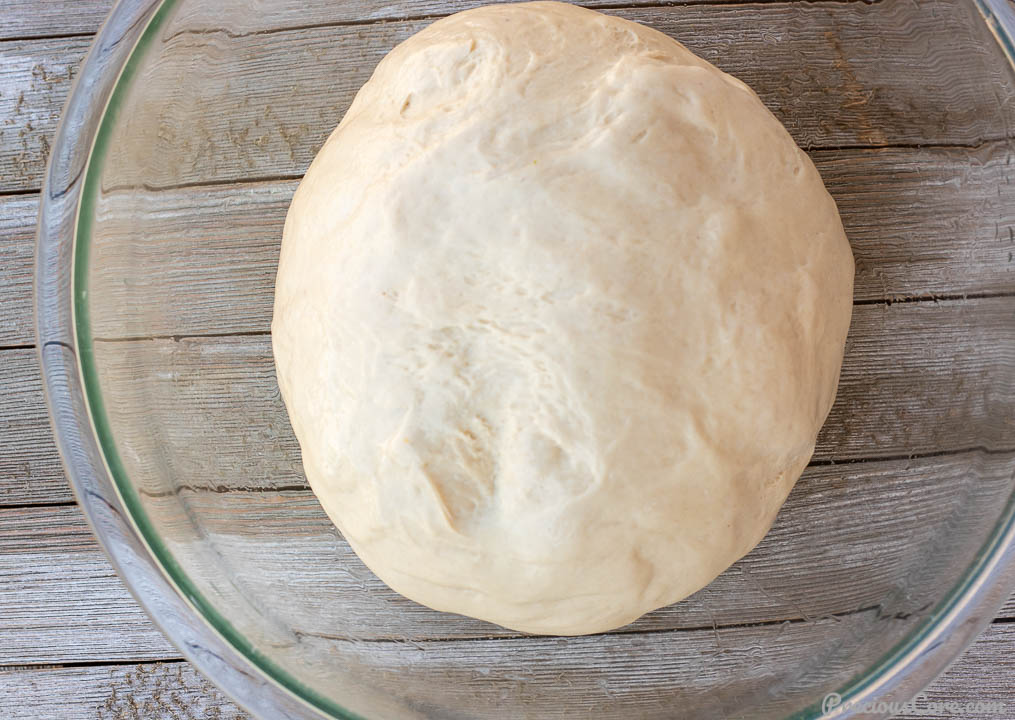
x,y
560,310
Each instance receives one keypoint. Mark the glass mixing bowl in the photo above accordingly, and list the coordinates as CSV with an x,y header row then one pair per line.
x,y
188,129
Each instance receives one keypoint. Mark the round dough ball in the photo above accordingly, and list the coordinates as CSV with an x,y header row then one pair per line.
x,y
560,310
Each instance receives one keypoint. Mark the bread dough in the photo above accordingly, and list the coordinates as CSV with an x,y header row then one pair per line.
x,y
560,310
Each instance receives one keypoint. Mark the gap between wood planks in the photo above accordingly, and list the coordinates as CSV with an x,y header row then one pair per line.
x,y
432,16
892,300
649,5
421,643
168,660
22,506
715,627
295,177
72,35
281,489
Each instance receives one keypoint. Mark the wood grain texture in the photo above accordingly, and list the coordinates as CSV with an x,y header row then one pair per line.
x,y
926,222
609,670
605,671
922,378
235,18
63,603
35,78
30,470
815,561
213,251
923,222
26,19
148,691
17,248
917,378
837,74
928,76
174,691
919,83
21,19
61,600
597,675
985,674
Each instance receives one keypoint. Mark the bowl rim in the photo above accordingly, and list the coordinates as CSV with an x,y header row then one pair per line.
x,y
118,519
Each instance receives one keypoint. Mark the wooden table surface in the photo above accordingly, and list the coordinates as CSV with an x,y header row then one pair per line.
x,y
73,643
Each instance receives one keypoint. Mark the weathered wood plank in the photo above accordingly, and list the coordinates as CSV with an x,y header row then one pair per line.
x,y
917,378
30,470
980,683
17,247
924,377
20,19
923,222
926,222
233,17
35,78
149,691
63,603
637,673
890,73
928,78
212,254
479,674
176,691
643,676
815,562
609,670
